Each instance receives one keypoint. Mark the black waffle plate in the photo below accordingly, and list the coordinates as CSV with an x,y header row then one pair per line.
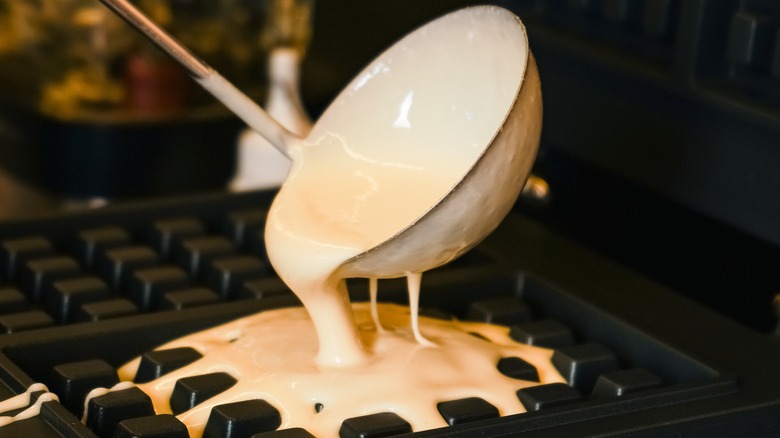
x,y
640,361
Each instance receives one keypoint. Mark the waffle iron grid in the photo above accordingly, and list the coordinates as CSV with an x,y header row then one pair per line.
x,y
697,386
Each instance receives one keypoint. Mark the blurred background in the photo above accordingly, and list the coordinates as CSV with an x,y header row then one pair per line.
x,y
660,148
93,113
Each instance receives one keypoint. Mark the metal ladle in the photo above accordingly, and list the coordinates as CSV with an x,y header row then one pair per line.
x,y
474,206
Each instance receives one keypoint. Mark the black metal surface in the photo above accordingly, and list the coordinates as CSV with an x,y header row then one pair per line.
x,y
715,264
718,377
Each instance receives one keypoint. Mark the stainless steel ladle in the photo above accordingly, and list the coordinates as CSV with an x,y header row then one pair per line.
x,y
465,215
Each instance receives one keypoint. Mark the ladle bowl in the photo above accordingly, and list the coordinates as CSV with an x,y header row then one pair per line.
x,y
475,114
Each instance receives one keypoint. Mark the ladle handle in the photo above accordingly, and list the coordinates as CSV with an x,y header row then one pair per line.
x,y
239,103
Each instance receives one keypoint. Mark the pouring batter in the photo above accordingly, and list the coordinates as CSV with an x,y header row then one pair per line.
x,y
437,135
